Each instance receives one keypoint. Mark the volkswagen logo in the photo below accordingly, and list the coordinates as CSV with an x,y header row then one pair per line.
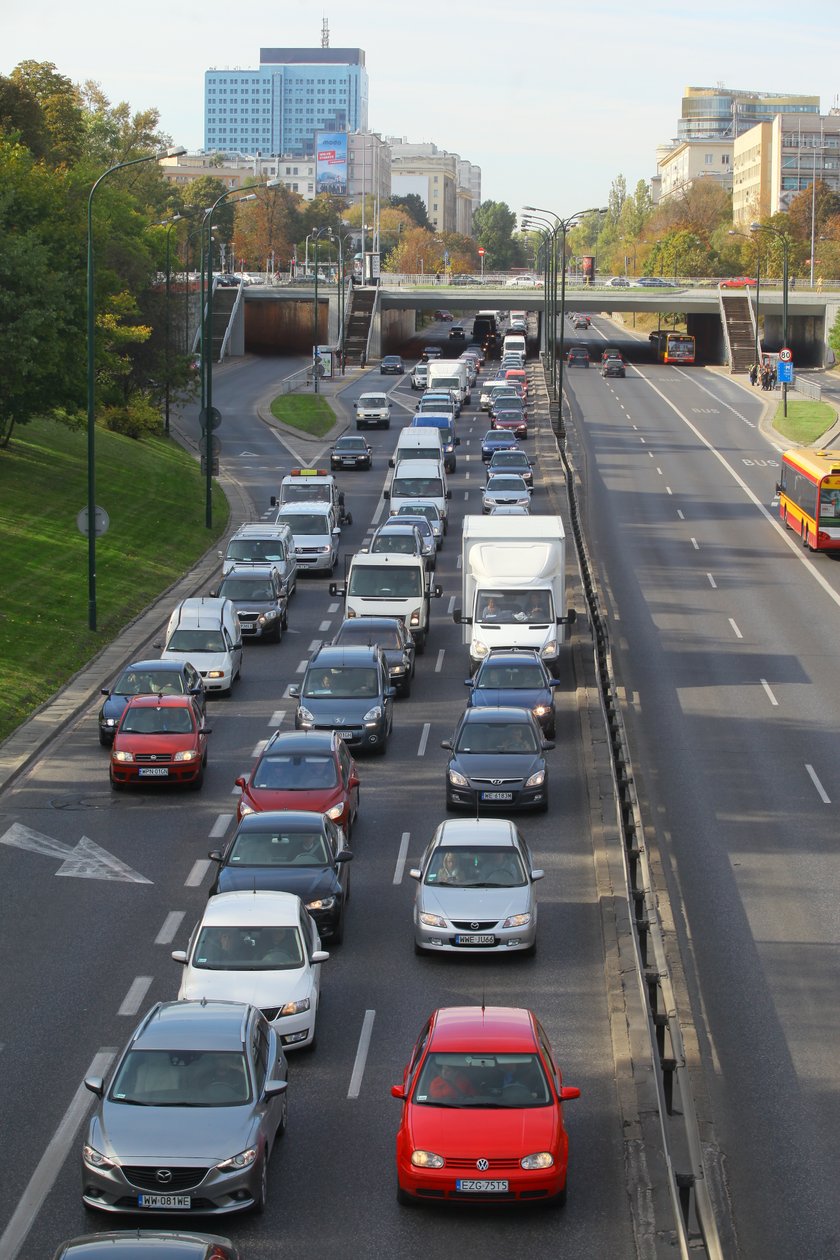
x,y
164,1176
482,1164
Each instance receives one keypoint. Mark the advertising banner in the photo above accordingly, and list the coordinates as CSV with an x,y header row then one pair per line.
x,y
331,162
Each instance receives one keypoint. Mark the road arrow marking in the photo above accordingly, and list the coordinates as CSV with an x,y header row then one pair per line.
x,y
84,861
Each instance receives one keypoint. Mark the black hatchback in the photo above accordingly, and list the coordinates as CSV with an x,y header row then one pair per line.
x,y
392,365
496,761
351,451
347,690
390,634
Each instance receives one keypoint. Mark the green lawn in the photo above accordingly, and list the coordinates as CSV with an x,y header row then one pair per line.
x,y
805,422
153,493
310,413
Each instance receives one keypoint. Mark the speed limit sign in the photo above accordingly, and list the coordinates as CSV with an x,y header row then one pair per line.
x,y
785,355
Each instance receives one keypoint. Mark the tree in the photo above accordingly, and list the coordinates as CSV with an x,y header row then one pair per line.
x,y
21,117
61,109
493,226
269,225
414,206
700,208
116,134
814,206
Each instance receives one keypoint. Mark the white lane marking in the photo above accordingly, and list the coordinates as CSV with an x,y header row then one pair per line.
x,y
324,626
651,455
199,869
301,669
695,544
659,471
765,684
458,563
332,608
361,1055
466,494
169,929
712,582
734,626
824,797
466,476
258,747
401,856
690,376
439,661
642,440
220,826
380,508
668,490
277,718
52,1161
137,991
680,515
451,606
421,747
314,645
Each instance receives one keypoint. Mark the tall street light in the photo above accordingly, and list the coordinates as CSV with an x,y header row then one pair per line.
x,y
319,234
783,237
91,375
546,230
169,225
348,236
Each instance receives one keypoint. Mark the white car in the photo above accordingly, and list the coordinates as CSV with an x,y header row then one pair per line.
x,y
521,282
263,948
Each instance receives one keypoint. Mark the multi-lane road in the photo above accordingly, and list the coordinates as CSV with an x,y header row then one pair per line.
x,y
723,634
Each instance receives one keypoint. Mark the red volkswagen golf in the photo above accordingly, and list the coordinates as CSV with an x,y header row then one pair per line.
x,y
482,1111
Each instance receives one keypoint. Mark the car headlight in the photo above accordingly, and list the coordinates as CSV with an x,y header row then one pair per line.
x,y
336,811
186,754
549,650
398,669
479,650
305,715
215,673
374,714
541,710
96,1159
323,550
109,722
294,1008
457,779
243,1160
542,1159
414,619
322,903
123,756
517,920
245,808
432,920
536,779
426,1159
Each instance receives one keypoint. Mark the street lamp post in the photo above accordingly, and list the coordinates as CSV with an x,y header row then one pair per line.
x,y
348,236
91,375
765,227
169,225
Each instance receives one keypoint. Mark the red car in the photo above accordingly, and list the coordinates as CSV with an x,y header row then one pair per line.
x,y
482,1111
310,770
514,420
519,377
738,282
160,739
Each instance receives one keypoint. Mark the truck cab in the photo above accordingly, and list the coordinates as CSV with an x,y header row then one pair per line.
x,y
312,485
389,585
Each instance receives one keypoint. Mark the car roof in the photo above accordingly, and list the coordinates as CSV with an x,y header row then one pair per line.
x,y
509,656
259,908
504,1029
493,832
357,438
334,654
156,663
282,820
373,623
242,569
193,1026
131,1245
496,714
304,742
152,700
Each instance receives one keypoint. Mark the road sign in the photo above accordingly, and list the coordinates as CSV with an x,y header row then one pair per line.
x,y
215,418
481,251
785,373
210,439
101,521
785,355
214,470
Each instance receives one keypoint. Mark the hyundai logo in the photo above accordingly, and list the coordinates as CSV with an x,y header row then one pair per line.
x,y
164,1175
482,1164
496,782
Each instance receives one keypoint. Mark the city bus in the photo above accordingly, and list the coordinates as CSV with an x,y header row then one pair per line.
x,y
674,347
809,497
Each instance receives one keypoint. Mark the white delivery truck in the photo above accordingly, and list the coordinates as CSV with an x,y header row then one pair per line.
x,y
513,573
450,374
386,584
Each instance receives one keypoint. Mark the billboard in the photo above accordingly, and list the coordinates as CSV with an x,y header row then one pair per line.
x,y
331,162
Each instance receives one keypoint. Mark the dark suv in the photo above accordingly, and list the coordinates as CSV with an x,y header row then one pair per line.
x,y
578,357
259,598
347,690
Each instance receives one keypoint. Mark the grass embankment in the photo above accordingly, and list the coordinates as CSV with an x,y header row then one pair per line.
x,y
805,421
308,412
153,493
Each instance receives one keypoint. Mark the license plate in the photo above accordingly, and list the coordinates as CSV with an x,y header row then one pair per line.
x,y
153,772
497,796
475,940
166,1201
468,1186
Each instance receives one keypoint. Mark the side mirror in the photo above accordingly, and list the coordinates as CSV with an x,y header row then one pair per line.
x,y
205,730
446,743
438,591
320,955
449,494
457,441
179,956
535,875
333,589
344,855
96,1085
273,500
103,691
158,645
548,743
355,406
240,782
567,1092
414,873
273,1089
294,691
391,463
386,494
215,855
214,594
468,682
397,1091
336,531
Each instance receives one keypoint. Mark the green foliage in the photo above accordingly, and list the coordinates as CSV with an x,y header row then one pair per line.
x,y
61,109
414,206
21,117
678,253
493,226
136,418
834,336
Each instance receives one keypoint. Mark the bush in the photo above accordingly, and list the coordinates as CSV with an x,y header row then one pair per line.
x,y
138,418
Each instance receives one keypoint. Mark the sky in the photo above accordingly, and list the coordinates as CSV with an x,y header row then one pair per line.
x,y
552,100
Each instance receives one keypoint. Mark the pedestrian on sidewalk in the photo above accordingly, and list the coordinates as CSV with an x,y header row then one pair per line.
x,y
754,374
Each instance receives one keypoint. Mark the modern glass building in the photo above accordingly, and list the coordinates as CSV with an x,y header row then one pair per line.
x,y
279,107
721,113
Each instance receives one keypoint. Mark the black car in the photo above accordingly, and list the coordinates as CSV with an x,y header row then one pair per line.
x,y
613,367
497,761
390,634
348,690
351,452
457,333
430,352
291,851
515,678
147,1244
512,461
497,440
578,357
154,677
392,364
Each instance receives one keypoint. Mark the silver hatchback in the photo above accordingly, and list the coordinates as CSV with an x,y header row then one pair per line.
x,y
475,890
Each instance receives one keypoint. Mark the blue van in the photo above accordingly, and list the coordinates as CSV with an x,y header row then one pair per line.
x,y
429,419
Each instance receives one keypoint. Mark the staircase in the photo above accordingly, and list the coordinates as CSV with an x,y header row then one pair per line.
x,y
358,325
739,330
224,300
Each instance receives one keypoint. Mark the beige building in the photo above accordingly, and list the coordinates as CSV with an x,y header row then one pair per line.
x,y
368,170
449,186
679,167
236,169
774,161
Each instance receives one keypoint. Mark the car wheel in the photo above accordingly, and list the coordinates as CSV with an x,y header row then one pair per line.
x,y
284,1119
405,1200
338,935
284,624
530,951
405,690
559,1200
420,642
198,781
104,740
116,787
543,808
262,1189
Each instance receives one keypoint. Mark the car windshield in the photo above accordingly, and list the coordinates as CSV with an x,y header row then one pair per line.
x,y
182,1078
255,550
496,737
406,487
371,582
514,605
401,544
246,588
279,848
503,482
475,867
373,400
307,522
514,459
356,632
143,682
248,949
515,674
483,1079
306,492
197,641
429,510
341,683
295,772
351,444
165,721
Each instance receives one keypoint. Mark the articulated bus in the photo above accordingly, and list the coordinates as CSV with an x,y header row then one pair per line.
x,y
675,347
809,497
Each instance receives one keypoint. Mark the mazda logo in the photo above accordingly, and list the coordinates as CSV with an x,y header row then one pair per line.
x,y
474,927
164,1175
482,1164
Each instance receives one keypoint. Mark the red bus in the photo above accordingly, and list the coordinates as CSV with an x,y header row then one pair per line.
x,y
809,497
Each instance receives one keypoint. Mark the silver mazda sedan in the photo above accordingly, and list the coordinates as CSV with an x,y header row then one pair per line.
x,y
475,890
190,1116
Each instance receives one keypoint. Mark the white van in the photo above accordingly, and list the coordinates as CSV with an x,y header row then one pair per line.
x,y
263,544
316,533
389,585
514,341
420,479
206,632
424,443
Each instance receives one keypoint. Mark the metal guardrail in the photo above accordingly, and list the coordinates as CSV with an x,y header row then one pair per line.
x,y
808,389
